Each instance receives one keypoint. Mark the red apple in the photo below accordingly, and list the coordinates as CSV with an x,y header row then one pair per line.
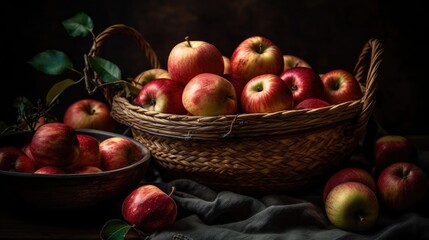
x,y
291,61
208,94
238,86
390,149
340,86
50,170
349,174
149,208
402,185
311,103
255,56
55,144
352,206
304,83
266,93
14,159
148,75
89,154
162,95
187,59
226,65
118,152
89,114
87,169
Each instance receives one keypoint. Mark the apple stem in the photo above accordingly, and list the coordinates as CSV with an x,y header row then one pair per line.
x,y
187,40
173,189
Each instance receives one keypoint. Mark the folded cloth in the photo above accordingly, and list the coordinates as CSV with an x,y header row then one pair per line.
x,y
207,214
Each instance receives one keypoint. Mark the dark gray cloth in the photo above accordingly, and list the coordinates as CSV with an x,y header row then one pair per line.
x,y
206,214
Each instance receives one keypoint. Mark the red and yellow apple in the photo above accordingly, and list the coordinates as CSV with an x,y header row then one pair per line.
x,y
340,86
266,93
190,58
148,75
208,94
118,152
162,95
255,56
389,149
291,61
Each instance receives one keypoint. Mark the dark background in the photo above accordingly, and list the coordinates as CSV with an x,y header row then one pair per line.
x,y
327,34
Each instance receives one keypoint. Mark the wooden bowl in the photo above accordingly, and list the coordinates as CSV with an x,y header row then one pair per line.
x,y
70,191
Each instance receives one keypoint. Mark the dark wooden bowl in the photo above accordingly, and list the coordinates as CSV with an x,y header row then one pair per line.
x,y
70,191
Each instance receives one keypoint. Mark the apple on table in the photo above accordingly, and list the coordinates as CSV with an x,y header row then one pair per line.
x,y
89,114
403,185
190,58
255,56
162,95
266,93
340,86
149,208
389,149
352,206
209,94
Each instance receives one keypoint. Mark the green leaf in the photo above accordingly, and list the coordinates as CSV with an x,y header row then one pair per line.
x,y
52,62
115,229
57,89
78,25
107,71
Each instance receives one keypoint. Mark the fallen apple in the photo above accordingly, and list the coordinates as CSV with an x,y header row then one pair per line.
x,y
349,174
389,149
352,206
149,208
402,186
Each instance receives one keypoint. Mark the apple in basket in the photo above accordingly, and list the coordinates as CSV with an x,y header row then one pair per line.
x,y
266,93
304,83
340,86
291,61
118,152
14,159
162,95
55,144
255,56
311,103
208,94
148,75
190,58
89,114
352,206
149,208
226,66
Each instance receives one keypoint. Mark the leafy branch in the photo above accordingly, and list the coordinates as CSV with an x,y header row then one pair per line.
x,y
55,62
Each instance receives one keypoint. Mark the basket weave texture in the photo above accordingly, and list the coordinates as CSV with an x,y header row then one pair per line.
x,y
250,153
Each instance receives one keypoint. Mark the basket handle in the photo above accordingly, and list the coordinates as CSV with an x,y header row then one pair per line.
x,y
108,91
366,72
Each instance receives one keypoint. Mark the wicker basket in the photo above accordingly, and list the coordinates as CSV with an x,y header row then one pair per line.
x,y
251,153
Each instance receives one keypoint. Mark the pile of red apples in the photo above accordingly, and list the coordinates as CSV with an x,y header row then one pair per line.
x,y
256,78
56,148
